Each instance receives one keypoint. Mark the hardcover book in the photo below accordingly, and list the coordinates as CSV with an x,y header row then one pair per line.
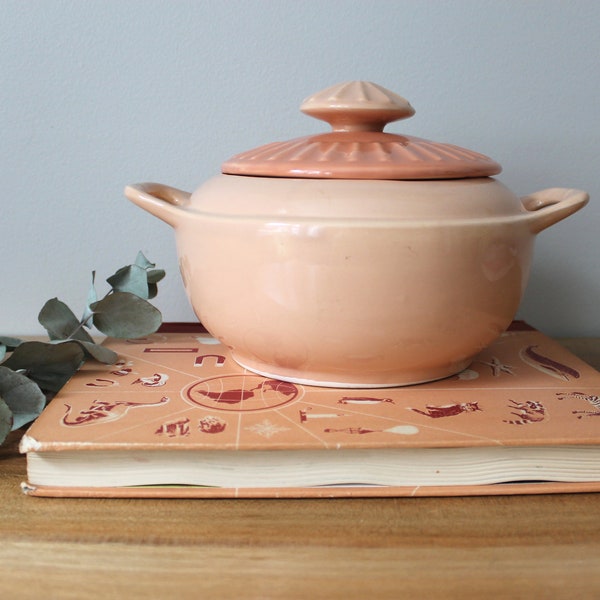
x,y
177,417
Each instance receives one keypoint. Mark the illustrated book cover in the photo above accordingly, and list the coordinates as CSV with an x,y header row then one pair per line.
x,y
177,417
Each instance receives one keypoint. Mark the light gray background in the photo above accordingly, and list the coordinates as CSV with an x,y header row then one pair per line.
x,y
98,94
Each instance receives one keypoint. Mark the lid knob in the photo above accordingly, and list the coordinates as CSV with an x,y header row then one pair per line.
x,y
357,106
358,148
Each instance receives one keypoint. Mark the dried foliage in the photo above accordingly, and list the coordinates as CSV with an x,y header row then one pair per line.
x,y
32,372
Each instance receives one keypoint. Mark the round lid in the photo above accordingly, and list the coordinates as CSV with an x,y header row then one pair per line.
x,y
357,147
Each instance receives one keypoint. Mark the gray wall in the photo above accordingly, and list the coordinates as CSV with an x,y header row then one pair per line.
x,y
98,94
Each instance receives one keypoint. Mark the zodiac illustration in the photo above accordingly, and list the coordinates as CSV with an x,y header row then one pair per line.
x,y
103,411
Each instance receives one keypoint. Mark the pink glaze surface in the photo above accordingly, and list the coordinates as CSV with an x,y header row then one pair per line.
x,y
372,272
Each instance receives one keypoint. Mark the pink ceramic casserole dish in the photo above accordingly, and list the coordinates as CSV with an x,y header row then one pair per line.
x,y
356,258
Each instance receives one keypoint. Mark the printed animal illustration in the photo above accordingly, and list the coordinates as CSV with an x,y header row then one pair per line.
x,y
102,411
178,428
526,412
212,424
593,400
447,410
547,365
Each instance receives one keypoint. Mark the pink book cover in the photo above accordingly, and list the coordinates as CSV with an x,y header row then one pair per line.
x,y
180,389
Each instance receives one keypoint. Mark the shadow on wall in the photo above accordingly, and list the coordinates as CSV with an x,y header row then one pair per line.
x,y
559,299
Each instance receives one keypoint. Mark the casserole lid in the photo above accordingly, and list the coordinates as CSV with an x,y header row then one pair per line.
x,y
357,147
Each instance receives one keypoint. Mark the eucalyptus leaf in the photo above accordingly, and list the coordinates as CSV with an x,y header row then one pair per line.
x,y
125,315
6,420
142,261
139,279
98,352
10,342
132,279
61,323
154,276
91,298
49,365
7,344
22,396
152,291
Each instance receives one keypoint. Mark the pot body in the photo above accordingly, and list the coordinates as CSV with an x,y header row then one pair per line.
x,y
354,284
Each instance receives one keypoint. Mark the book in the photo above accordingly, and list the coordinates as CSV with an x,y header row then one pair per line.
x,y
177,417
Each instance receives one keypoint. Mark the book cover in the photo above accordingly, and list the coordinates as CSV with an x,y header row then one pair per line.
x,y
178,393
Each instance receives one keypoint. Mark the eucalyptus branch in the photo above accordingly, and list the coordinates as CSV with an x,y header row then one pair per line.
x,y
35,371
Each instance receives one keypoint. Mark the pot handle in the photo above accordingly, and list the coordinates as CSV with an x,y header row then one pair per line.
x,y
160,200
552,205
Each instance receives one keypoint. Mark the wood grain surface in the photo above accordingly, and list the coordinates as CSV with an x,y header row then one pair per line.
x,y
532,547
